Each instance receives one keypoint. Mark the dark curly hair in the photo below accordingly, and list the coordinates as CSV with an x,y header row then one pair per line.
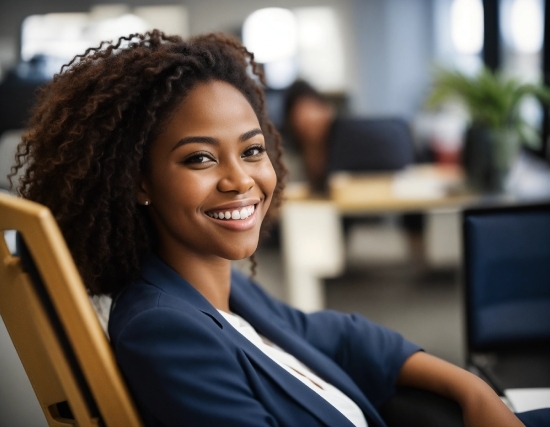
x,y
91,131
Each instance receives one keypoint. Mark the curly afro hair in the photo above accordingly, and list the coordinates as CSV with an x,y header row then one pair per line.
x,y
91,131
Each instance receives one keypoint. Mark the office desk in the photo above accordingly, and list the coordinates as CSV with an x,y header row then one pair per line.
x,y
311,233
417,188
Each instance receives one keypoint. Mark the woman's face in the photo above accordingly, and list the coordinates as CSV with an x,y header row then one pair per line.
x,y
310,119
210,181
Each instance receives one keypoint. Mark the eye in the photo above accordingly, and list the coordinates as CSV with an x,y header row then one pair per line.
x,y
254,151
198,158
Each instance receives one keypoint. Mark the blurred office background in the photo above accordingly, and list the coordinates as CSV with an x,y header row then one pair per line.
x,y
371,58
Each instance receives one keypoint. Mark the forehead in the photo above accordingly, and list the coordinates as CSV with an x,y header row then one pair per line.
x,y
213,103
309,101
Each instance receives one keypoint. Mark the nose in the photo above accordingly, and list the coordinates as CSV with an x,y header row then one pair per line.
x,y
235,178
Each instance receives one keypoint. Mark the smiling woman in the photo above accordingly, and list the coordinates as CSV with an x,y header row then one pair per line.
x,y
157,159
209,185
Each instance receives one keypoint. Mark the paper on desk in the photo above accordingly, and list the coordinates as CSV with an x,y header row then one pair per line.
x,y
527,399
411,185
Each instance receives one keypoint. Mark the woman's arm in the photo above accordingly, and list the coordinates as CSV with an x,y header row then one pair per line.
x,y
480,405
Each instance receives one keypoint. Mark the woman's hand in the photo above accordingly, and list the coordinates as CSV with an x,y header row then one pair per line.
x,y
481,406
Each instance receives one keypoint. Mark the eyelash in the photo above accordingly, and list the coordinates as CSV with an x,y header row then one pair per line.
x,y
260,148
195,156
193,159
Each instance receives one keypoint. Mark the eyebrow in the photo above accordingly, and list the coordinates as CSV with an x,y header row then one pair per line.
x,y
250,134
213,141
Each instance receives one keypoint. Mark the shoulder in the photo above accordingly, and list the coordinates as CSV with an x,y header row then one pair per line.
x,y
143,309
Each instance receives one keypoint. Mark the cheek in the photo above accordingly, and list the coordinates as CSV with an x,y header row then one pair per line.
x,y
268,180
176,189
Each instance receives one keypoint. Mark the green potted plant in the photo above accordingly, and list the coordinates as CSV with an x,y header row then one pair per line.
x,y
496,129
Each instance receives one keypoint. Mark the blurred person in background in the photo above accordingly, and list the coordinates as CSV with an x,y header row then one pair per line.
x,y
308,119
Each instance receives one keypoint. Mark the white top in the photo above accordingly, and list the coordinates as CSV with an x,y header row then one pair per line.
x,y
292,365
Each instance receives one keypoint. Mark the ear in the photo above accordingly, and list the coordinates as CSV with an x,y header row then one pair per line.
x,y
142,190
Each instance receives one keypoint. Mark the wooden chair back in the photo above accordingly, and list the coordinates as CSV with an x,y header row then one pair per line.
x,y
53,326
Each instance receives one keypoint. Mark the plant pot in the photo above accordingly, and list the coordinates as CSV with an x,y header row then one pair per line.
x,y
488,156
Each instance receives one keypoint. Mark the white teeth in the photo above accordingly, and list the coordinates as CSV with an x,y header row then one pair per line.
x,y
236,214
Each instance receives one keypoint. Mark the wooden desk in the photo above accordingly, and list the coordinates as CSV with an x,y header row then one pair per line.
x,y
312,238
440,187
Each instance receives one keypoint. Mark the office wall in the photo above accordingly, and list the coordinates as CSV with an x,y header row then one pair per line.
x,y
389,46
388,43
394,42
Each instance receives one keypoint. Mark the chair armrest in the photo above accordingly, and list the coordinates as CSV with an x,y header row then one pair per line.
x,y
410,407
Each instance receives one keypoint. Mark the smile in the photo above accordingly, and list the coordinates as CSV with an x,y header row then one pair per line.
x,y
232,214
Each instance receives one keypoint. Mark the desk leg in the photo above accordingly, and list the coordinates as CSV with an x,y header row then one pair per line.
x,y
305,290
313,249
443,238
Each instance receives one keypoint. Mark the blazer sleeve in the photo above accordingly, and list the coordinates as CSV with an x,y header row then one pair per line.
x,y
371,354
171,360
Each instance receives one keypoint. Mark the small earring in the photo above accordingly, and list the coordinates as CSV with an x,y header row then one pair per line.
x,y
146,203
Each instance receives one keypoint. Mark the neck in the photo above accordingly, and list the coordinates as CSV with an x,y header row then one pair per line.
x,y
211,275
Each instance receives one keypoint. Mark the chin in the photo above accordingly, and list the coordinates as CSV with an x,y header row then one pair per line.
x,y
236,254
244,254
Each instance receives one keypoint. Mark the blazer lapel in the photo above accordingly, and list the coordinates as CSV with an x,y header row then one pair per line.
x,y
306,397
160,275
315,360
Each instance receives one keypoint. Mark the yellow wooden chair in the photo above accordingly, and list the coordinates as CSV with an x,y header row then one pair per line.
x,y
53,326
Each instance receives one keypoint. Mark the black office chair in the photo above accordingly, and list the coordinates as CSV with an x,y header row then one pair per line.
x,y
17,97
412,407
370,145
507,302
373,145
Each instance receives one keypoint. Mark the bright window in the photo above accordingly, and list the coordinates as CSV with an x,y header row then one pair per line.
x,y
58,37
522,32
523,25
467,26
303,42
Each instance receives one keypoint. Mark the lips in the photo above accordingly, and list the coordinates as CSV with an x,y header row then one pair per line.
x,y
232,214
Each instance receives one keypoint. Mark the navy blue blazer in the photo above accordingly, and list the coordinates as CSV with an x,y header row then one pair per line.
x,y
187,366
